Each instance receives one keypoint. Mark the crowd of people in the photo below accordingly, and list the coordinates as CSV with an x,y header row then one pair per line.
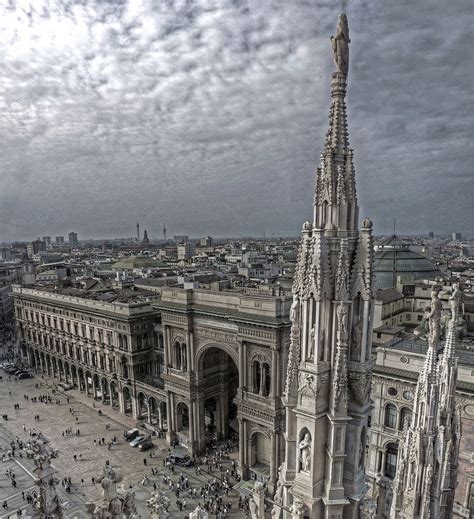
x,y
215,466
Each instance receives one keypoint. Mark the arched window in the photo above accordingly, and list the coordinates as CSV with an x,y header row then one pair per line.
x,y
267,381
391,416
257,374
405,415
184,359
177,355
391,455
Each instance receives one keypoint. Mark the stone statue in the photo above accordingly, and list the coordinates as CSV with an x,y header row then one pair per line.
x,y
340,45
434,316
294,309
305,453
256,503
311,343
199,513
342,318
113,505
47,504
455,301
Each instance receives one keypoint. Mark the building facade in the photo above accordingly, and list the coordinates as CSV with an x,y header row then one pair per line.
x,y
198,364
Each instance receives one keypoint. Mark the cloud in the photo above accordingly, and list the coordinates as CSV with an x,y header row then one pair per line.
x,y
209,116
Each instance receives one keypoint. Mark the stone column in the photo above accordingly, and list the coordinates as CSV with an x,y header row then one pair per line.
x,y
244,367
134,406
149,411
192,424
191,351
120,401
160,416
170,418
274,375
166,345
365,327
241,366
188,352
274,461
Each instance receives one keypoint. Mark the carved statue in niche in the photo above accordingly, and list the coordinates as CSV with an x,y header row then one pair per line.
x,y
311,344
356,341
342,318
294,309
305,453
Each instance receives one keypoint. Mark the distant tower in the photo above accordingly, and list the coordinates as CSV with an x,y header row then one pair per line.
x,y
138,231
145,238
329,369
425,481
164,233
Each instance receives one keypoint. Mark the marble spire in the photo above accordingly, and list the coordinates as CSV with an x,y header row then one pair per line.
x,y
328,378
424,483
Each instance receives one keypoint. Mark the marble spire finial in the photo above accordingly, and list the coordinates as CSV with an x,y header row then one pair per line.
x,y
340,45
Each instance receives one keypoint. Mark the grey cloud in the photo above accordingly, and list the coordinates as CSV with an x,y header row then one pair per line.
x,y
209,116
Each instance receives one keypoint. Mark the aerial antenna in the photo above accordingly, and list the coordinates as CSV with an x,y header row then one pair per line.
x,y
394,226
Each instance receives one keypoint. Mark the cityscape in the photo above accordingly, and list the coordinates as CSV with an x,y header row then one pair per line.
x,y
209,352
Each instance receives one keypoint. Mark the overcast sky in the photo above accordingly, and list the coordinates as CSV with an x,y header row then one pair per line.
x,y
209,115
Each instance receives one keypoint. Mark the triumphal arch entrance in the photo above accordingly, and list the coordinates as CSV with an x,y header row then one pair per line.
x,y
224,365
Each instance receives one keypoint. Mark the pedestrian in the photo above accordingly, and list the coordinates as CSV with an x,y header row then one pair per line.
x,y
144,461
93,480
5,504
23,495
75,457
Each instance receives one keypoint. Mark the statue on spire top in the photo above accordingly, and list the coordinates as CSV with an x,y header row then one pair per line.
x,y
340,45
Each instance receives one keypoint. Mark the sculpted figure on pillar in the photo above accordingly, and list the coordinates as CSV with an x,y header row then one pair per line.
x,y
434,316
340,45
455,301
305,450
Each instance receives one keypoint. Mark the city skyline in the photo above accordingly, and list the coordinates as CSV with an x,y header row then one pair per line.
x,y
212,118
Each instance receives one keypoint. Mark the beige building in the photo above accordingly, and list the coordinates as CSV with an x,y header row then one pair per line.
x,y
196,363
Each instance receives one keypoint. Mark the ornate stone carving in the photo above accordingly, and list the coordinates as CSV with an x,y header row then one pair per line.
x,y
434,316
342,274
217,336
293,359
341,318
360,385
340,377
47,504
113,505
455,301
340,45
306,384
297,510
256,503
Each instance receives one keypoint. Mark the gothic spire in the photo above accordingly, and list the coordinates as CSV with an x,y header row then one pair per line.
x,y
425,480
335,202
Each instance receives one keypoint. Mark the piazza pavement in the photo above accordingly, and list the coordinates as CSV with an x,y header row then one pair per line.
x,y
53,420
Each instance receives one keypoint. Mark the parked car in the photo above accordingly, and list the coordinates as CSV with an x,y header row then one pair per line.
x,y
145,445
21,376
131,434
137,441
65,386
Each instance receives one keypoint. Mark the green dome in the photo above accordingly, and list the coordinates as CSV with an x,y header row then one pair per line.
x,y
394,258
137,262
